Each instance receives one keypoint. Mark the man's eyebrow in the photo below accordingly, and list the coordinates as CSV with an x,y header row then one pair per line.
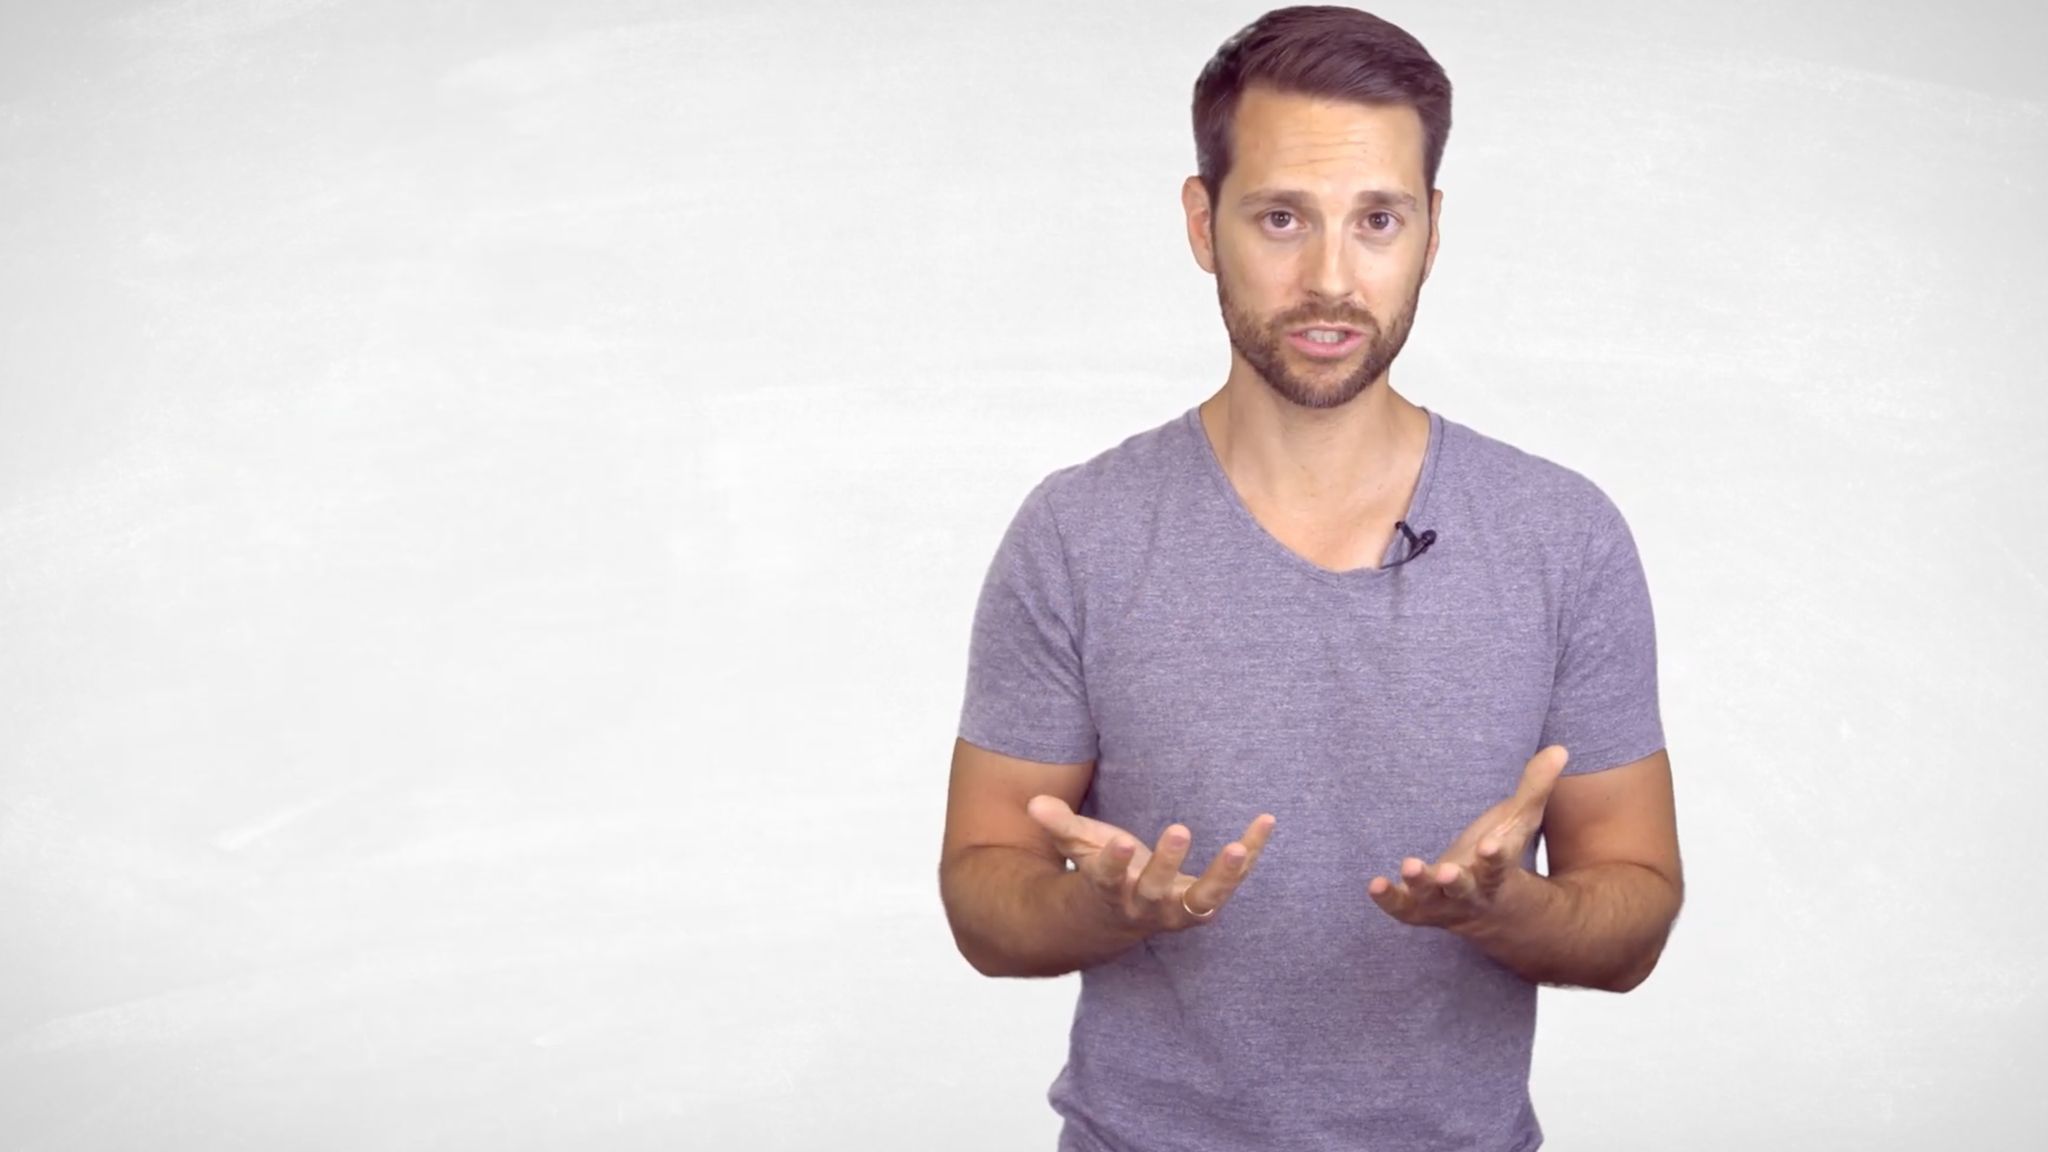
x,y
1289,198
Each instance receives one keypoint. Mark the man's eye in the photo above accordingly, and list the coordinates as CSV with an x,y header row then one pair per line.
x,y
1285,215
1381,221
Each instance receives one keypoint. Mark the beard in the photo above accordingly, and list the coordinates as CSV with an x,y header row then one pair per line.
x,y
1315,385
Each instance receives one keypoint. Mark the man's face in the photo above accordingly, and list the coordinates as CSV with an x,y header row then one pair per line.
x,y
1321,229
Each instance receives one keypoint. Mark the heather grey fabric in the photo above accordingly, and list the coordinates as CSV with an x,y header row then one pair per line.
x,y
1136,615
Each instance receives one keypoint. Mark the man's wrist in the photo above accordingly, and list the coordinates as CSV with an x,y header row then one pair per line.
x,y
1523,898
1099,918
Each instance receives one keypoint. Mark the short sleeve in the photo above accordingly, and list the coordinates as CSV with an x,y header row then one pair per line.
x,y
1603,701
1025,693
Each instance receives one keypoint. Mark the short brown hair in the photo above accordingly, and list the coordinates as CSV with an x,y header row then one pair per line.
x,y
1321,50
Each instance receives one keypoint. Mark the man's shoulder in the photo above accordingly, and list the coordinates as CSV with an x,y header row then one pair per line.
x,y
1522,485
1116,481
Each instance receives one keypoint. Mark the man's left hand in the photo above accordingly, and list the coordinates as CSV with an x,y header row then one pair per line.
x,y
1465,884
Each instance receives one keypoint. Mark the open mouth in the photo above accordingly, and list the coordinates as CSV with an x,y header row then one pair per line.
x,y
1325,343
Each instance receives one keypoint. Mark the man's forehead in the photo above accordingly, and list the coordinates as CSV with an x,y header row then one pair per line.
x,y
1278,106
1318,138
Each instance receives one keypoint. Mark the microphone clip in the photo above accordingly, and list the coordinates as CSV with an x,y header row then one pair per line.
x,y
1417,544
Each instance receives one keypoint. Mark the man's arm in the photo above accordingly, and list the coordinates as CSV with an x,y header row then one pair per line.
x,y
1602,915
1014,907
1015,914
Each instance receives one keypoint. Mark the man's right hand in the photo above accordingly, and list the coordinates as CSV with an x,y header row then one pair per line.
x,y
1144,891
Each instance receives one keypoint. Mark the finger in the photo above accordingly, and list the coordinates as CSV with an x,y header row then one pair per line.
x,y
1195,909
1110,869
1405,897
1255,836
1156,881
1489,864
1214,887
1219,881
1392,897
1236,858
1416,879
1428,885
1455,883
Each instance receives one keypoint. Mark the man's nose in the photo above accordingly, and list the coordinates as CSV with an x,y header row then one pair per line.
x,y
1329,272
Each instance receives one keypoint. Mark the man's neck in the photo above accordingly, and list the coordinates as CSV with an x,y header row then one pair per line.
x,y
1317,463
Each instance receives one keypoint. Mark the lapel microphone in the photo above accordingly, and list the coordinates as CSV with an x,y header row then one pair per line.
x,y
1417,545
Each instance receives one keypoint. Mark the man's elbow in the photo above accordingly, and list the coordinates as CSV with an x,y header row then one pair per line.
x,y
982,960
979,953
1632,977
991,962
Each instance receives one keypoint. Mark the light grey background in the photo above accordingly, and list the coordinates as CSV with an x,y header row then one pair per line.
x,y
492,498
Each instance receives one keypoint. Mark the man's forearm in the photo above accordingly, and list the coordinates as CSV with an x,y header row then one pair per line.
x,y
1602,926
1014,913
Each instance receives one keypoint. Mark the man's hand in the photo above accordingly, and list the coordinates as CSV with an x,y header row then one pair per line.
x,y
1462,886
1145,891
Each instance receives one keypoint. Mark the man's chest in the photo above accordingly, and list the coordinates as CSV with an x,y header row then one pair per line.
x,y
1401,714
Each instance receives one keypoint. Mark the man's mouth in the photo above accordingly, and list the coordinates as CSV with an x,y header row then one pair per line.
x,y
1326,342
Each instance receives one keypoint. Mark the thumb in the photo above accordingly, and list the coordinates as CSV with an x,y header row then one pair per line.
x,y
1052,814
1538,778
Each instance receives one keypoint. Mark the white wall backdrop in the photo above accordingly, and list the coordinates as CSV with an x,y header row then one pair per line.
x,y
492,498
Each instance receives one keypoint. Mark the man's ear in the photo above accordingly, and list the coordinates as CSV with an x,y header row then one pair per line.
x,y
1436,208
1194,200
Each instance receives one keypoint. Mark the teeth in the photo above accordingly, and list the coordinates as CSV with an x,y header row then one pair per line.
x,y
1326,336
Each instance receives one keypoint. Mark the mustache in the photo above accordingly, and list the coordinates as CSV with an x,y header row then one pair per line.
x,y
1362,321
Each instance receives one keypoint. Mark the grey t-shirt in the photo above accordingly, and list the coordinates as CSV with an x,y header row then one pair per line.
x,y
1136,615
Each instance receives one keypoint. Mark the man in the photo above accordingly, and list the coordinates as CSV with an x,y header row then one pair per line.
x,y
1352,654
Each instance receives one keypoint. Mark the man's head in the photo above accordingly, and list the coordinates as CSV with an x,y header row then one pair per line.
x,y
1318,132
